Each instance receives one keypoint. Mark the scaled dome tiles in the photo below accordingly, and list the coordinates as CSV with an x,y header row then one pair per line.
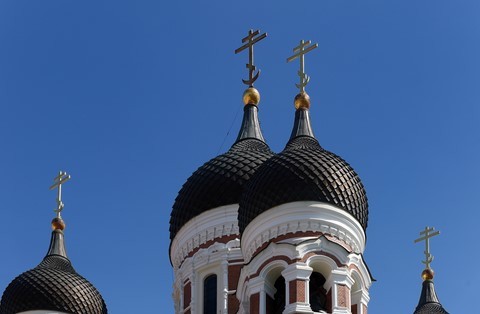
x,y
52,285
218,182
304,171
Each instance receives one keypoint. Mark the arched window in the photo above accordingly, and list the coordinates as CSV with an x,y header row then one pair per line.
x,y
318,294
210,295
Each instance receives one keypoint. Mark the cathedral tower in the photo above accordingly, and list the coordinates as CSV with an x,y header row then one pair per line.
x,y
302,220
53,287
254,232
428,302
205,244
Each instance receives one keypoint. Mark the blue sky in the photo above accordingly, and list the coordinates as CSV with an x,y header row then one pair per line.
x,y
130,97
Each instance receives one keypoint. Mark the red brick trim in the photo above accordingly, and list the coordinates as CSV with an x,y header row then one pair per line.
x,y
271,259
187,295
310,254
304,234
255,303
286,236
297,291
354,309
291,261
233,277
343,297
292,291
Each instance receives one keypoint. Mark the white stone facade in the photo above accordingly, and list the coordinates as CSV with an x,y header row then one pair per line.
x,y
291,240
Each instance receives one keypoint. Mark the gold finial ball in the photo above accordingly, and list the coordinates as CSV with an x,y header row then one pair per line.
x,y
58,224
302,101
427,274
251,96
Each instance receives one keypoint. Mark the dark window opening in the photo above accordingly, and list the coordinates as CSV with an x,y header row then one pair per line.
x,y
210,295
318,294
279,297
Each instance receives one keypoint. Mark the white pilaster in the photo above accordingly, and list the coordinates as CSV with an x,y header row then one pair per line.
x,y
257,285
297,271
263,301
225,287
361,299
340,277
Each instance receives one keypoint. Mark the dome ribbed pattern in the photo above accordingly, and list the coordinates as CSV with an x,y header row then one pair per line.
x,y
429,303
52,285
218,182
431,308
304,171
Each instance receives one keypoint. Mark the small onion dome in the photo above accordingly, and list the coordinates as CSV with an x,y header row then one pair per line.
x,y
220,181
429,303
53,285
303,171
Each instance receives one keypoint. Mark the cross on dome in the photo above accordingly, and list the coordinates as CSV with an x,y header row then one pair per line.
x,y
250,41
427,234
62,178
299,52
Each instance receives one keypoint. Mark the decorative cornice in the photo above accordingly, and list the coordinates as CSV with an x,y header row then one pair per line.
x,y
303,217
305,256
215,254
297,271
208,226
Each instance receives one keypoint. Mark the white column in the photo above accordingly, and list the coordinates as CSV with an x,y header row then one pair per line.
x,y
361,298
193,293
297,271
225,287
179,306
263,301
257,285
177,294
338,278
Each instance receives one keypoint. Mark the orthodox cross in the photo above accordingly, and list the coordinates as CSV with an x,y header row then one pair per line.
x,y
300,51
425,236
58,181
250,41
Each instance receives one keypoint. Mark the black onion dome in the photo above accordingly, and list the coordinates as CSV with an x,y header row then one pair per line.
x,y
303,171
429,303
220,181
52,285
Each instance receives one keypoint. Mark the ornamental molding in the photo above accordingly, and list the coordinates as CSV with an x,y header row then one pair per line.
x,y
215,254
357,265
319,254
213,260
281,256
302,217
206,227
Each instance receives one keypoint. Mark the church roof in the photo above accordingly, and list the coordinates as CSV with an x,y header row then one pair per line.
x,y
52,285
220,181
429,303
304,171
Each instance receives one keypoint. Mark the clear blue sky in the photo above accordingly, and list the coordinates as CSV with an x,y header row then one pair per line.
x,y
130,97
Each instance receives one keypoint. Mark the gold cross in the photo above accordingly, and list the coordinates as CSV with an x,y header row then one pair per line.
x,y
58,181
250,42
300,51
426,236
